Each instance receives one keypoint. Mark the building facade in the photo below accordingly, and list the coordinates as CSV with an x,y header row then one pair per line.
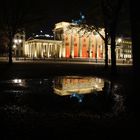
x,y
71,41
19,44
78,44
40,48
67,43
124,49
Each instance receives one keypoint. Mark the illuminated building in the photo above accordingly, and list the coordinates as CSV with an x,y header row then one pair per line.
x,y
75,43
124,48
41,48
18,44
66,44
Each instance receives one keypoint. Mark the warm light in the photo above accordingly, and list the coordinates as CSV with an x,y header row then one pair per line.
x,y
97,35
19,40
17,81
100,80
35,55
15,41
96,86
47,35
14,46
119,40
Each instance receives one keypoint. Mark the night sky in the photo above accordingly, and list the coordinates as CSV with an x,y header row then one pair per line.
x,y
43,14
57,11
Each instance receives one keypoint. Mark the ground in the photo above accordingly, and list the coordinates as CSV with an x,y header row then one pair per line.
x,y
49,120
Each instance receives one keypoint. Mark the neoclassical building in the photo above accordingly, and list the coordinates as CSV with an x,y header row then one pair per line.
x,y
41,48
77,43
67,43
70,41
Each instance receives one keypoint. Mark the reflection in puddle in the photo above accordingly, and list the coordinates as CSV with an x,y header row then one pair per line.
x,y
68,85
78,87
17,81
94,93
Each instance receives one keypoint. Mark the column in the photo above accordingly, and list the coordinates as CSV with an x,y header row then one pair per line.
x,y
60,51
48,50
90,47
96,46
72,45
41,50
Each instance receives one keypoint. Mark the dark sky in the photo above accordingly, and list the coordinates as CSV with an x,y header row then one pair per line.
x,y
57,11
43,14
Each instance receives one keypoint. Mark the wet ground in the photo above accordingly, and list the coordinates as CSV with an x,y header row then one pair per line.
x,y
33,106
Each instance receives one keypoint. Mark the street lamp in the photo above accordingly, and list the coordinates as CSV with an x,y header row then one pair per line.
x,y
119,40
16,44
119,43
17,41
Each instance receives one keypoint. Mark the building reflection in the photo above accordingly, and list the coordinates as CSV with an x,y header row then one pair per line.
x,y
20,82
72,85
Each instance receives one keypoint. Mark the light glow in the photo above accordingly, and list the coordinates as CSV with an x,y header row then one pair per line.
x,y
119,40
14,46
17,81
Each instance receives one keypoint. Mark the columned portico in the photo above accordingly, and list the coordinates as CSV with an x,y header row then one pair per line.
x,y
37,48
74,43
77,44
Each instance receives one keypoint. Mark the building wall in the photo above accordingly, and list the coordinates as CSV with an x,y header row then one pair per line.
x,y
18,44
37,48
76,43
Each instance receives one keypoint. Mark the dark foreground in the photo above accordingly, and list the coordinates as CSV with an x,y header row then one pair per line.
x,y
37,115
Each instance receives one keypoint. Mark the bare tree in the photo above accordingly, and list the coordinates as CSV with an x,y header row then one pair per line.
x,y
16,15
91,28
111,11
135,23
105,16
10,20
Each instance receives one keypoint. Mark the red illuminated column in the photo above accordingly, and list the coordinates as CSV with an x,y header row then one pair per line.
x,y
84,48
90,51
93,46
72,46
67,46
101,52
75,46
80,46
96,46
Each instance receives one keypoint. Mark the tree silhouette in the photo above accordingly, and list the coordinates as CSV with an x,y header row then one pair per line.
x,y
15,15
110,14
135,22
97,17
111,11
